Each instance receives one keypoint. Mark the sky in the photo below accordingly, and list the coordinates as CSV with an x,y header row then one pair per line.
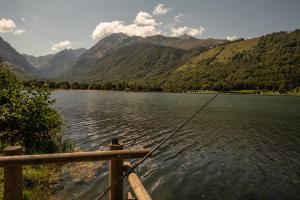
x,y
40,27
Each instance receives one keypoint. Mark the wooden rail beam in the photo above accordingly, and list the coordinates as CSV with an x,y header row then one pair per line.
x,y
136,184
41,159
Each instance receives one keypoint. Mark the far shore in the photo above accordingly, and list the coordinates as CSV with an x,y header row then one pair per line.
x,y
232,92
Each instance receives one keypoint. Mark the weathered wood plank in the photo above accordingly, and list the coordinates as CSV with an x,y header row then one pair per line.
x,y
23,160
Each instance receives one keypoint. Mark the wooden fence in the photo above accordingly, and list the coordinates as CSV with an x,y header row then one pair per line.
x,y
13,160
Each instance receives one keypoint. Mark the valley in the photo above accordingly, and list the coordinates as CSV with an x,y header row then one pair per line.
x,y
172,64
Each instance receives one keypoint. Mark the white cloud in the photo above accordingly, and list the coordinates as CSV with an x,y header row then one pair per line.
x,y
178,31
7,25
144,25
61,45
144,19
232,38
24,19
160,9
19,31
178,17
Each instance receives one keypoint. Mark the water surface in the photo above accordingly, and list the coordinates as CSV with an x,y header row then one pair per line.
x,y
238,147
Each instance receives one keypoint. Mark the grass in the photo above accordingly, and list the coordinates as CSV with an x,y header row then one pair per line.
x,y
203,56
37,180
246,91
221,53
231,49
294,92
266,92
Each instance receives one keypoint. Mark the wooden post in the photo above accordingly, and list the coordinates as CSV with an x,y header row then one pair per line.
x,y
115,172
13,176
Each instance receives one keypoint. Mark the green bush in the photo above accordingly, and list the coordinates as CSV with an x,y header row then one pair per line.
x,y
27,118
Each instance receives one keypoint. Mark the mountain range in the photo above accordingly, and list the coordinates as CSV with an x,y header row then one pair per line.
x,y
121,57
19,63
173,63
52,65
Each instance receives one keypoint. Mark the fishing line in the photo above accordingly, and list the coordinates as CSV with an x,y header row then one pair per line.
x,y
134,166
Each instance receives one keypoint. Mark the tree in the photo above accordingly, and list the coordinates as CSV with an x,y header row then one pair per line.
x,y
27,118
108,86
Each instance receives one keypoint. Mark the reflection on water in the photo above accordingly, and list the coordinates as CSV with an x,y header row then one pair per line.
x,y
239,147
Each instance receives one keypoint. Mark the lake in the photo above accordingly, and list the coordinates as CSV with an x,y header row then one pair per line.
x,y
238,147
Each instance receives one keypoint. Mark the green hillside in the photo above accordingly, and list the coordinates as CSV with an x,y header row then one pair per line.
x,y
139,61
183,42
269,62
122,57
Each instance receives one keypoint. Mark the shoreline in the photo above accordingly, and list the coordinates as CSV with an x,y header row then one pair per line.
x,y
233,92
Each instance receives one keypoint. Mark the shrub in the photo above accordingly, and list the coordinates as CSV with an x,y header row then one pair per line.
x,y
27,118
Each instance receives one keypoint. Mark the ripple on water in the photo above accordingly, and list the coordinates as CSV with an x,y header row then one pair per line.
x,y
239,147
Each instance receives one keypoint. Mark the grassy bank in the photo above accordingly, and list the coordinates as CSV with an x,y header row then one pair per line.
x,y
38,181
295,92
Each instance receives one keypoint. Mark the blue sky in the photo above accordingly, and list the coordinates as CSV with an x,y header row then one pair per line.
x,y
40,27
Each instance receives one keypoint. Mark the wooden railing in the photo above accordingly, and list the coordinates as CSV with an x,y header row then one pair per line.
x,y
136,184
12,161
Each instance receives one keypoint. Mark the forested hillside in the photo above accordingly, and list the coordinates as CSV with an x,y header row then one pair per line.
x,y
269,62
140,61
121,57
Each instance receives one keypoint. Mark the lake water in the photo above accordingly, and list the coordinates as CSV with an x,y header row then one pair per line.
x,y
238,147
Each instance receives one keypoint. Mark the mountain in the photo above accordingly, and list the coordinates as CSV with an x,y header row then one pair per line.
x,y
184,42
139,61
108,45
19,72
269,62
52,65
117,55
117,40
19,63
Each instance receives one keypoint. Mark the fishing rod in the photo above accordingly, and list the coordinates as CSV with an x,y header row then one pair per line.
x,y
134,166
